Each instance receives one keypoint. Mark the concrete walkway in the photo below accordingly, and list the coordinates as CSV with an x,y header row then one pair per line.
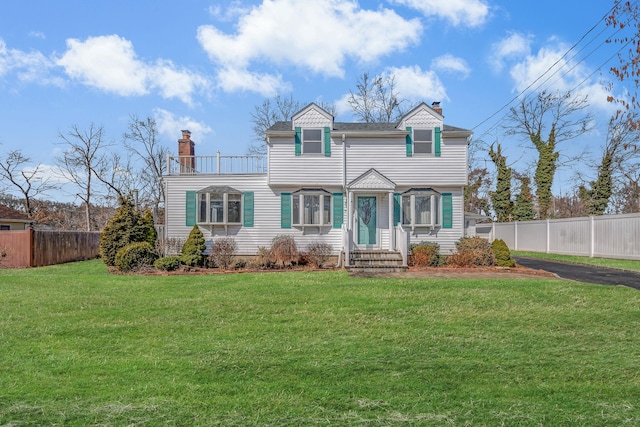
x,y
584,273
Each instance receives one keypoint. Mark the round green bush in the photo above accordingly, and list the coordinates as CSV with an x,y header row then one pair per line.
x,y
168,263
502,253
134,256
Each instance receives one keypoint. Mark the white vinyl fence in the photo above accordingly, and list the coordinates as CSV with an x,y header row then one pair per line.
x,y
607,236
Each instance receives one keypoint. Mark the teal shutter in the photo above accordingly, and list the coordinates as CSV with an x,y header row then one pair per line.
x,y
285,210
190,212
437,142
409,142
298,141
248,209
447,210
327,142
397,199
338,210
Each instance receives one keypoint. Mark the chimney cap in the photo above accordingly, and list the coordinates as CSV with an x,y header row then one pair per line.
x,y
435,104
186,132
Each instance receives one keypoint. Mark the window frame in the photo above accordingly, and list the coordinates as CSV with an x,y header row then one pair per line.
x,y
430,142
298,204
306,140
408,200
225,208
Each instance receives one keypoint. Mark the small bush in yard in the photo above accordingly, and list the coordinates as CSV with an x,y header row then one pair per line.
x,y
283,250
472,251
193,249
318,253
134,256
168,263
426,254
502,253
223,252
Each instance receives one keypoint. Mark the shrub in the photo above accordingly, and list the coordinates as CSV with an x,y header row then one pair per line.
x,y
283,250
426,254
193,248
472,251
126,226
168,263
223,252
318,253
262,259
502,253
134,256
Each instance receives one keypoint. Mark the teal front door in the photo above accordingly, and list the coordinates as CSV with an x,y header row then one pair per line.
x,y
367,232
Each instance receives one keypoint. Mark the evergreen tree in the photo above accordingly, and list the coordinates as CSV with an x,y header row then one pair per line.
x,y
193,248
125,227
501,198
523,206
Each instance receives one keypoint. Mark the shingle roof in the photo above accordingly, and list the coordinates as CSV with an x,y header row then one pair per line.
x,y
355,126
9,213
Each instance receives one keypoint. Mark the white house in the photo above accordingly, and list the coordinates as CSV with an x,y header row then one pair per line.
x,y
357,186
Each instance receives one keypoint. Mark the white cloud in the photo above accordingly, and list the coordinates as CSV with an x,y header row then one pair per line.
x,y
110,63
471,13
562,74
451,64
312,35
170,126
232,80
414,84
28,66
37,35
514,46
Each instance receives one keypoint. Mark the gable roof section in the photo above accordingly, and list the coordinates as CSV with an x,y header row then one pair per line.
x,y
7,213
372,180
312,107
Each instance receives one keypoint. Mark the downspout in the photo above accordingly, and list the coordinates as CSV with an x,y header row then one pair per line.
x,y
344,262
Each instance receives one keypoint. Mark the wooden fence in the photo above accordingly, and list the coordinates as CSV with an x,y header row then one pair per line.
x,y
36,248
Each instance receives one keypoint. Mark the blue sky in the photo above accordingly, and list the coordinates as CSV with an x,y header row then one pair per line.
x,y
204,65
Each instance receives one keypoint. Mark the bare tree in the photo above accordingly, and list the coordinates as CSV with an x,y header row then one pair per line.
x,y
142,141
28,180
376,99
547,120
264,116
84,154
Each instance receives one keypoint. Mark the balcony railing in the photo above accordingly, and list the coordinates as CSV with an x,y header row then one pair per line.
x,y
216,165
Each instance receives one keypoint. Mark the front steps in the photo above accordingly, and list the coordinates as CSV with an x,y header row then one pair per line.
x,y
369,261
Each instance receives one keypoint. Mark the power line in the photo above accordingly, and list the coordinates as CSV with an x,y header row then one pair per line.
x,y
549,69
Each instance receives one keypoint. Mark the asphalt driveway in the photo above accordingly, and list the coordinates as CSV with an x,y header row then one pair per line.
x,y
584,273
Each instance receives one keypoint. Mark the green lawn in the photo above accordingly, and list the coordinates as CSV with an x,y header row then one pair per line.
x,y
81,347
625,264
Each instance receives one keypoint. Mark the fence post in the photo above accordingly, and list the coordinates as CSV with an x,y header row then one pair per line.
x,y
32,252
592,240
515,234
548,236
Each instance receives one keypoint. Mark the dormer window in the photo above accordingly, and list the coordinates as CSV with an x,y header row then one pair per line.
x,y
312,141
422,141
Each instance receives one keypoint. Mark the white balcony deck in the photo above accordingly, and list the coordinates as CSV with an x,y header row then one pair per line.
x,y
216,165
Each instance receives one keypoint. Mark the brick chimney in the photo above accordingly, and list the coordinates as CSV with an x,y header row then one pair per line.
x,y
186,152
435,106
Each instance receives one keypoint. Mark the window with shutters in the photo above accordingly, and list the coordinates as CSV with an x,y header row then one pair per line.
x,y
312,141
219,205
421,208
422,141
311,207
